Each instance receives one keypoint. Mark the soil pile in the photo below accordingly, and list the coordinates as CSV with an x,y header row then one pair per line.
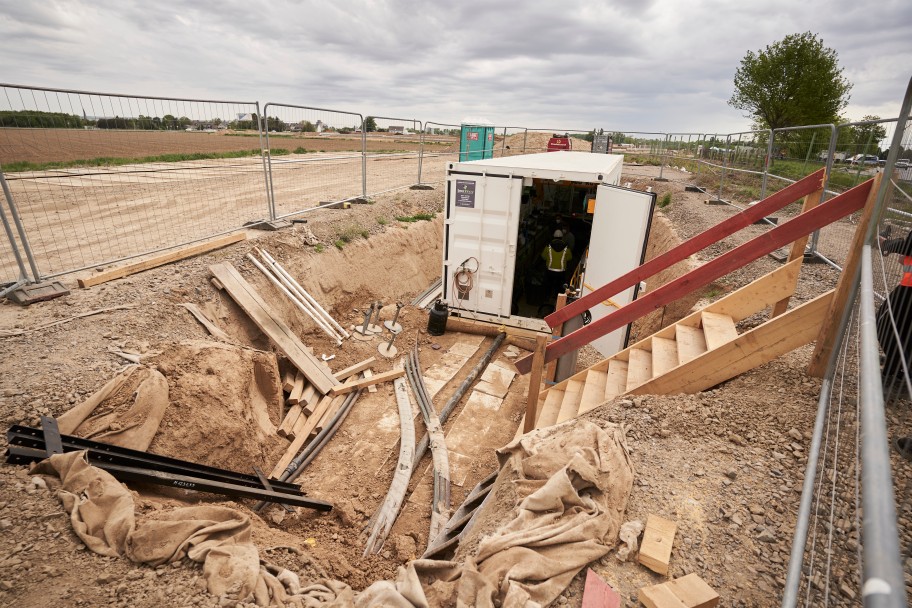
x,y
225,406
536,142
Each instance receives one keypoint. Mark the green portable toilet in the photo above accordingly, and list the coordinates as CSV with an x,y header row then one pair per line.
x,y
476,142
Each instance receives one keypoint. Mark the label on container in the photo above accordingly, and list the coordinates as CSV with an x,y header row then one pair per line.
x,y
465,193
472,136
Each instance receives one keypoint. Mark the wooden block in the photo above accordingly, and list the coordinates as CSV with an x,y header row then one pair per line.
x,y
309,399
161,260
297,390
348,372
269,323
694,592
718,329
288,380
301,431
599,594
691,343
658,538
351,385
369,374
659,596
289,421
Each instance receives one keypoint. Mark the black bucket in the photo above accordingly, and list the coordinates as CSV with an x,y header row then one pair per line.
x,y
438,319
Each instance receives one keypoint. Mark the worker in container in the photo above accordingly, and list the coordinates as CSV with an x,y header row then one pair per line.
x,y
557,257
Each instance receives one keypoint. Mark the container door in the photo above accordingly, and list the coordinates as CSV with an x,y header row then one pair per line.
x,y
481,230
620,229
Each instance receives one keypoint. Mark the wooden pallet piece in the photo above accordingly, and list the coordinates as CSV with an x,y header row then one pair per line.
x,y
550,409
694,591
344,374
309,399
760,345
297,390
664,355
302,432
616,381
289,421
719,329
571,401
369,374
593,391
639,368
691,343
269,323
658,538
351,385
288,379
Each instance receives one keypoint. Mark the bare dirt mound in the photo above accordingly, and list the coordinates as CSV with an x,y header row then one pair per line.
x,y
536,142
225,405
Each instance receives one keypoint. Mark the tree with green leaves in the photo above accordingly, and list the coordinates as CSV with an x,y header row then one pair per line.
x,y
370,125
868,136
795,81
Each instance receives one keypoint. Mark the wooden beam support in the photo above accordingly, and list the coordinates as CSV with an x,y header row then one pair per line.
x,y
551,370
770,204
348,372
798,247
301,434
161,260
830,211
826,340
297,390
351,385
538,368
272,325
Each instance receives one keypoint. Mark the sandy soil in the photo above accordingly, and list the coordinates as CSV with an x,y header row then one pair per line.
x,y
726,464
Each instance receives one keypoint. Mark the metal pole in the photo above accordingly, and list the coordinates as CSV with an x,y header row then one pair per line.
x,y
663,158
363,158
421,151
9,233
766,164
807,156
724,163
267,163
525,135
883,581
503,144
23,239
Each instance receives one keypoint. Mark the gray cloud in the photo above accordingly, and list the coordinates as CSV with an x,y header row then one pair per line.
x,y
658,65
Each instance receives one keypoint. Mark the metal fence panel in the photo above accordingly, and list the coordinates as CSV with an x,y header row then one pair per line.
x,y
102,177
394,163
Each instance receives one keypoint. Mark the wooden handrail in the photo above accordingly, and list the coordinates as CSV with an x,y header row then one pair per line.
x,y
771,204
830,211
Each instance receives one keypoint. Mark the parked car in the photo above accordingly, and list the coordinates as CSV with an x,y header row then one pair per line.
x,y
864,159
903,163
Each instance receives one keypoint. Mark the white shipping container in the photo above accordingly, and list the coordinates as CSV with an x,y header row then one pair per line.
x,y
502,212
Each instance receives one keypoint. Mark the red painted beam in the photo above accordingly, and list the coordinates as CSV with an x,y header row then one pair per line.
x,y
770,204
830,211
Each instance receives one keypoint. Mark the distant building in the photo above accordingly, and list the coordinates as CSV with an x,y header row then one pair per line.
x,y
396,130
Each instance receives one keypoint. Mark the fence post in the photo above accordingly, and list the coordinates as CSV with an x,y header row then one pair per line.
x,y
421,151
36,275
725,155
662,158
266,156
766,164
363,159
831,152
23,275
503,144
525,135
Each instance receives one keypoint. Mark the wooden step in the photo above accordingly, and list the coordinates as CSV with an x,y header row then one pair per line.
x,y
616,383
571,402
664,355
639,368
593,391
691,342
719,329
550,409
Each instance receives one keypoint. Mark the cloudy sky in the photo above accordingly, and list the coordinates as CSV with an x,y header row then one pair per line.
x,y
663,65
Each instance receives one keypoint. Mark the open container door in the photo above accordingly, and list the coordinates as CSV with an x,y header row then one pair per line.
x,y
482,223
620,231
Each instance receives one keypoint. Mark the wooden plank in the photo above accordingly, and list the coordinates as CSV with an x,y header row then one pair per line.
x,y
289,421
659,596
309,399
639,368
770,204
616,382
691,343
760,345
718,329
302,433
694,592
826,340
351,385
658,538
297,390
827,213
550,409
537,368
664,355
269,323
328,414
206,322
161,260
797,251
369,374
593,391
571,402
348,372
599,594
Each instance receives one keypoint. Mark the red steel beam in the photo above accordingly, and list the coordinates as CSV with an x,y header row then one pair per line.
x,y
830,211
770,204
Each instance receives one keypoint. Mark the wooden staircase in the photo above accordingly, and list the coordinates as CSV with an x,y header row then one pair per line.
x,y
696,353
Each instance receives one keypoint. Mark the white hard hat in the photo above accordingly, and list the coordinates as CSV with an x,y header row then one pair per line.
x,y
558,234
